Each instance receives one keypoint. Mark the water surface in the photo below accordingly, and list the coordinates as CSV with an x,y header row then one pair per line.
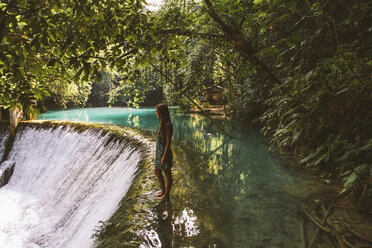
x,y
226,193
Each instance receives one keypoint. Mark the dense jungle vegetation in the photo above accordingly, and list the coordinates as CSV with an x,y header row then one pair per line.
x,y
300,70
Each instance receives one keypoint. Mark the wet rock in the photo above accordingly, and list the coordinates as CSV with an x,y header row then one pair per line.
x,y
6,171
15,116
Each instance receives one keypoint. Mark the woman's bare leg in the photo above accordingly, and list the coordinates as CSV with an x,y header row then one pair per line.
x,y
169,181
160,177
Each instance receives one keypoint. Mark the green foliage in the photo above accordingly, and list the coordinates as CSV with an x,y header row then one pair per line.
x,y
319,109
320,52
102,84
44,43
326,114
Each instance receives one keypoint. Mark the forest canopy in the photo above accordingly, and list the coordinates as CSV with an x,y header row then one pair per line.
x,y
300,70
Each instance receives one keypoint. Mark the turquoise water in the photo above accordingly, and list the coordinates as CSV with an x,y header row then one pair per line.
x,y
131,117
226,193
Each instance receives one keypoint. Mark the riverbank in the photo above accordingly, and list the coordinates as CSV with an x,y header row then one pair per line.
x,y
226,192
215,110
192,217
349,219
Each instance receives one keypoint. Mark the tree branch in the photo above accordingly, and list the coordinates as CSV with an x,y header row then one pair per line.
x,y
191,100
244,47
189,33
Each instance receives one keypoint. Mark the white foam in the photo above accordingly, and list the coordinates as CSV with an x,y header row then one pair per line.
x,y
4,136
63,184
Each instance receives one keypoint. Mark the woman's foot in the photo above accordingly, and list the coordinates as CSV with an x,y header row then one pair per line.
x,y
160,195
164,196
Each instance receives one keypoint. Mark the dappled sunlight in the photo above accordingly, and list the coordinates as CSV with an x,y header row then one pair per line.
x,y
154,5
226,191
270,98
186,223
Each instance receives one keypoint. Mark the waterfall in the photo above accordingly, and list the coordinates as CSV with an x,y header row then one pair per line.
x,y
64,183
4,136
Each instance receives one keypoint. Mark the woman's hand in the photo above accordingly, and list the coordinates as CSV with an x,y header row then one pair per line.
x,y
162,161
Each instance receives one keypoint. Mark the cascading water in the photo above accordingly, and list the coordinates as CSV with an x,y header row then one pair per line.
x,y
64,183
4,136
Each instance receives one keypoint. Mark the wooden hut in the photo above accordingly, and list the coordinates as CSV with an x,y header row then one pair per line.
x,y
213,95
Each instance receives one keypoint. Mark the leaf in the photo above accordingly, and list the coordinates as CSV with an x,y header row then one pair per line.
x,y
323,158
367,146
77,75
296,136
348,182
284,17
343,191
291,5
345,173
308,75
257,1
309,157
359,169
347,155
294,39
3,6
342,91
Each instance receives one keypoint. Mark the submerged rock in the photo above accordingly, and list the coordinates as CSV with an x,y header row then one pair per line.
x,y
6,171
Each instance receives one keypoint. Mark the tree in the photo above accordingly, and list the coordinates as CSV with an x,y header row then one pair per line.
x,y
41,41
307,80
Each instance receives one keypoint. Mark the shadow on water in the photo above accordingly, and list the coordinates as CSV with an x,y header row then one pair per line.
x,y
163,222
226,193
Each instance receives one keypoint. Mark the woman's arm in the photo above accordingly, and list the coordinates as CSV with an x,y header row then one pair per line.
x,y
168,139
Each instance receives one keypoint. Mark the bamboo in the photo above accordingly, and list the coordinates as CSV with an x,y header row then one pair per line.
x,y
353,231
317,230
360,236
191,100
346,242
302,233
316,222
340,242
330,243
280,123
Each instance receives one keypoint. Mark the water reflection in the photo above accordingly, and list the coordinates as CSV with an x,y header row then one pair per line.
x,y
160,233
226,193
168,228
232,188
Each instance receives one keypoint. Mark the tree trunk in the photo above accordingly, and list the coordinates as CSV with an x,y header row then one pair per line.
x,y
243,46
15,116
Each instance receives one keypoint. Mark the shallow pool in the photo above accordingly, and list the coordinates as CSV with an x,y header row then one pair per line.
x,y
226,192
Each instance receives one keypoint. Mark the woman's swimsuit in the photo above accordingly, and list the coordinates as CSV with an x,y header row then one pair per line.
x,y
160,148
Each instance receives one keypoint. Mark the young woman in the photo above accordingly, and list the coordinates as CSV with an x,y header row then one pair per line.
x,y
163,159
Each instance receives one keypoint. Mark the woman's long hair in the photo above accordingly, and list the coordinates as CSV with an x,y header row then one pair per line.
x,y
164,117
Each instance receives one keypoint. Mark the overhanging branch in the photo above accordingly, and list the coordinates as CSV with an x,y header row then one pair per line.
x,y
244,47
189,33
